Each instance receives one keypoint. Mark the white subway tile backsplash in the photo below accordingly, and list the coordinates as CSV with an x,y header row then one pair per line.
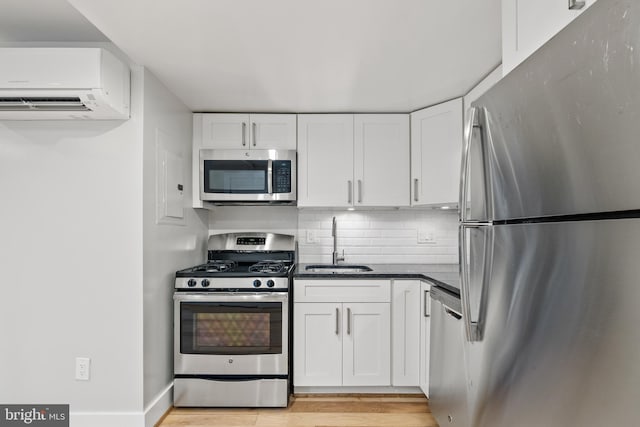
x,y
379,236
366,236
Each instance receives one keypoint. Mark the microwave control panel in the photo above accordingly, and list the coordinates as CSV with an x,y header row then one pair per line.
x,y
282,176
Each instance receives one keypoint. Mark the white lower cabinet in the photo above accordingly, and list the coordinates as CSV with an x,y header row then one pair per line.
x,y
425,335
317,353
406,333
366,350
341,333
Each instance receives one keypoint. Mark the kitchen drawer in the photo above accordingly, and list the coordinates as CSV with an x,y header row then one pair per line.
x,y
336,290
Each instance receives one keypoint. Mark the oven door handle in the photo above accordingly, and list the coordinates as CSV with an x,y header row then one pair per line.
x,y
231,296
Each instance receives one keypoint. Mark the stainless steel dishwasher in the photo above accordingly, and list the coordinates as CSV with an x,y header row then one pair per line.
x,y
447,382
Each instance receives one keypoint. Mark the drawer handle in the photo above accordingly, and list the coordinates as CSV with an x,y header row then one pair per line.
x,y
244,134
427,308
576,5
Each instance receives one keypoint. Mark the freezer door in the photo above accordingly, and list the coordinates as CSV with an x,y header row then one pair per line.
x,y
561,341
563,126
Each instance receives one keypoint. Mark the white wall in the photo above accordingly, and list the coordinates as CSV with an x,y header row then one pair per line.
x,y
70,256
86,269
276,219
168,246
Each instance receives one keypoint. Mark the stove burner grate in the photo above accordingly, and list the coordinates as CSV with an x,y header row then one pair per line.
x,y
215,266
267,267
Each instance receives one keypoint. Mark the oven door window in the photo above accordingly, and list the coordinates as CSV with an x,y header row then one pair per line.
x,y
236,176
230,328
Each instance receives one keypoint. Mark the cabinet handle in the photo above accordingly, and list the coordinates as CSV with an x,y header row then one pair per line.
x,y
427,307
359,191
415,189
255,134
349,192
348,321
244,134
576,5
337,321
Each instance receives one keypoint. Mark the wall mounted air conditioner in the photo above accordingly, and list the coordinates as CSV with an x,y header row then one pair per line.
x,y
62,83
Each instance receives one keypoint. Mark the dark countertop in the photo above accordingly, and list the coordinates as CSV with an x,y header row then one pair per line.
x,y
444,275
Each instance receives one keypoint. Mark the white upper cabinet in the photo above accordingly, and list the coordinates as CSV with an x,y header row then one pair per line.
x,y
347,160
436,146
528,24
249,131
325,160
381,170
494,77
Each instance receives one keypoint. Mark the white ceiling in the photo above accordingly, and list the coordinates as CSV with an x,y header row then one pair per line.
x,y
44,21
291,55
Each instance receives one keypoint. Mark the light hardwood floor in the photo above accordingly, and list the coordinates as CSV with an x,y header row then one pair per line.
x,y
315,411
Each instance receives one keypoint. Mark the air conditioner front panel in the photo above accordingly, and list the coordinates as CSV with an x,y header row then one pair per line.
x,y
50,68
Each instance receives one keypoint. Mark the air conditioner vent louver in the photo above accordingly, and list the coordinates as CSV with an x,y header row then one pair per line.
x,y
42,104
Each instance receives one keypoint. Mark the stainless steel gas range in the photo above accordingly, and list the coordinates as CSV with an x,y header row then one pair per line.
x,y
231,323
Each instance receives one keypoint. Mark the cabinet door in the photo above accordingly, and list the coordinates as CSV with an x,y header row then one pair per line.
x,y
325,160
225,131
436,146
366,344
273,131
317,345
405,332
528,24
381,168
425,335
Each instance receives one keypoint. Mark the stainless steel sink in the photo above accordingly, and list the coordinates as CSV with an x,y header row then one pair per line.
x,y
336,269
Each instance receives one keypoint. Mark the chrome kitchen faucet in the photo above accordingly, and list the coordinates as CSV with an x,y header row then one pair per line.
x,y
335,258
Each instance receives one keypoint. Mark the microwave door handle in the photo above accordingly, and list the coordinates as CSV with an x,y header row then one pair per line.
x,y
270,176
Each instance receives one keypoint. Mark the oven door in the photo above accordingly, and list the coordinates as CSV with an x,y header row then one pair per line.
x,y
231,333
248,175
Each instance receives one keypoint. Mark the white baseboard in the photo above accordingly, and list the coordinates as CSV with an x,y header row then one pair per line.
x,y
151,415
158,406
106,419
357,390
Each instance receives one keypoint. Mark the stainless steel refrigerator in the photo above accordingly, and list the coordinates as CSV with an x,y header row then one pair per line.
x,y
550,233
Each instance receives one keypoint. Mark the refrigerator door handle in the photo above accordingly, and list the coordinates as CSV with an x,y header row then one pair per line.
x,y
474,328
464,167
476,121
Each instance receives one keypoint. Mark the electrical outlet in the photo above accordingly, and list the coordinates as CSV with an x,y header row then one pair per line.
x,y
311,236
83,368
426,237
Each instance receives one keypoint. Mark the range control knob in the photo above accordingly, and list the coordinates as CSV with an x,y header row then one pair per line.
x,y
270,283
257,283
205,283
191,283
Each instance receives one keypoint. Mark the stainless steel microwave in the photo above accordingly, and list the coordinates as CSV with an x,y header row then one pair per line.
x,y
248,176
